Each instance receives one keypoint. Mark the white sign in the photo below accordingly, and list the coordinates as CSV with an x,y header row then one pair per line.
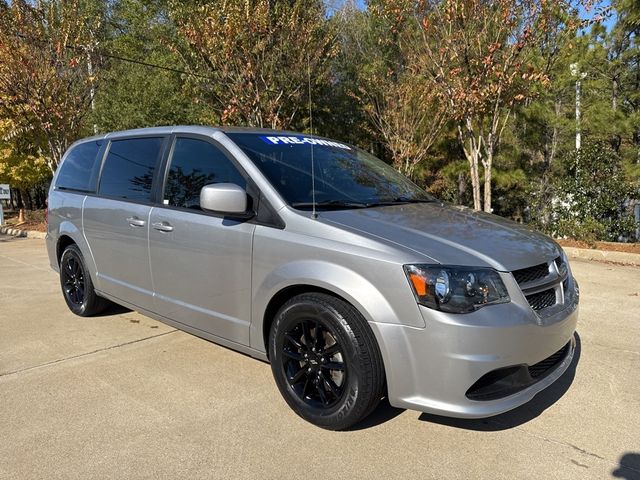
x,y
5,192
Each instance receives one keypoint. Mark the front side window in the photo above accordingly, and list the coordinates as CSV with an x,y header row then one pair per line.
x,y
344,176
129,168
194,164
80,167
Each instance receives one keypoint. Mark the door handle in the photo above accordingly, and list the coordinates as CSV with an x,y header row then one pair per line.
x,y
136,222
162,227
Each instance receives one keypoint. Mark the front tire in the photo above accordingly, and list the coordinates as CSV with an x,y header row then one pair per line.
x,y
326,361
77,287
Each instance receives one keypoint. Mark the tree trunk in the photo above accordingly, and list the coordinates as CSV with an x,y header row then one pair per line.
x,y
475,178
462,187
488,163
29,199
19,201
472,152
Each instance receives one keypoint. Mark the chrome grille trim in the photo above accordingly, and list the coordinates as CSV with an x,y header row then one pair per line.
x,y
544,285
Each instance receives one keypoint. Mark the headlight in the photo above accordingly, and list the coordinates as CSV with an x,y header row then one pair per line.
x,y
456,289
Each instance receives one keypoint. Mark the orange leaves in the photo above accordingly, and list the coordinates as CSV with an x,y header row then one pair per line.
x,y
494,46
43,71
477,50
257,54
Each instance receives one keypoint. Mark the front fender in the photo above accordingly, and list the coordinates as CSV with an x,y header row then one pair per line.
x,y
341,281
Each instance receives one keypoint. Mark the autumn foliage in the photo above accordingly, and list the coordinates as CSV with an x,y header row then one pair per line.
x,y
45,86
482,59
475,100
255,59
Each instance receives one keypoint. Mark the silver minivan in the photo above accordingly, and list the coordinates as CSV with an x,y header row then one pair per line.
x,y
312,254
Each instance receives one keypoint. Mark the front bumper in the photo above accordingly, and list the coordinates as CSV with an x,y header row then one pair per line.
x,y
431,369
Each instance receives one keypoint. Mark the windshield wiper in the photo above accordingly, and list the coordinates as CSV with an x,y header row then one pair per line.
x,y
401,201
342,204
330,204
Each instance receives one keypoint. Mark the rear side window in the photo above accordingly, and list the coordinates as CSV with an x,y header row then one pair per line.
x,y
129,168
79,170
194,164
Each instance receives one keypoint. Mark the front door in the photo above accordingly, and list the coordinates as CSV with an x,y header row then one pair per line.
x,y
200,262
116,222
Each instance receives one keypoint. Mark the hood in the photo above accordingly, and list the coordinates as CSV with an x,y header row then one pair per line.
x,y
450,235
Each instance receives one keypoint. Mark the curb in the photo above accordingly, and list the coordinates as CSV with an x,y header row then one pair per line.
x,y
24,233
622,258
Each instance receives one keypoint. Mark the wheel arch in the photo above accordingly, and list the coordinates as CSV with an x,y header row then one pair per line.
x,y
63,242
315,276
282,297
69,234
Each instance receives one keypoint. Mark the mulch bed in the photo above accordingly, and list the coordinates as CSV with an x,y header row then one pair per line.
x,y
608,246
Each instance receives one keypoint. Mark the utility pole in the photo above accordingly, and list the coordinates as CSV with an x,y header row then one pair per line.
x,y
575,71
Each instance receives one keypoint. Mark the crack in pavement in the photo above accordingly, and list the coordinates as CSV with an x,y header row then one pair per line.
x,y
567,444
20,262
86,354
579,464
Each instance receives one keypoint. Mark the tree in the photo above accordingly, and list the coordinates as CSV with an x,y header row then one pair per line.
x,y
404,111
45,84
132,95
408,117
337,112
479,60
626,33
21,164
252,61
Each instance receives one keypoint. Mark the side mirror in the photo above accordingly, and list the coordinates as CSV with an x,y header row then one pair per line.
x,y
223,198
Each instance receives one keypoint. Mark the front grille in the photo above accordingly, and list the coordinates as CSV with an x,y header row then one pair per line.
x,y
544,299
531,274
548,363
507,381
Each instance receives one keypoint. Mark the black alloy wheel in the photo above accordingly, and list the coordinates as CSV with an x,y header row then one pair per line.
x,y
313,363
77,287
325,360
73,284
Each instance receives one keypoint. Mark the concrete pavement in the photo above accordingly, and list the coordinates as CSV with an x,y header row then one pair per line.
x,y
124,396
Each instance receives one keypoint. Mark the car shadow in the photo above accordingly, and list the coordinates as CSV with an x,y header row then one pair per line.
x,y
383,413
629,467
522,414
113,309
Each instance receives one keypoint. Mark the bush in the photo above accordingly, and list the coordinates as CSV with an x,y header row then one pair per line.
x,y
591,197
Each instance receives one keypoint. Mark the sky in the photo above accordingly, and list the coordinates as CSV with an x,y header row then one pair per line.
x,y
599,5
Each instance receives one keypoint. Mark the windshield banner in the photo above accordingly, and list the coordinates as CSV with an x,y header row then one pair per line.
x,y
295,140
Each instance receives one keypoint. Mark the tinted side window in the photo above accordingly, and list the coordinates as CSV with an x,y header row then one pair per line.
x,y
129,168
194,164
80,167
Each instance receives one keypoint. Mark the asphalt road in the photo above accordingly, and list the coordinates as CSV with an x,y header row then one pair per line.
x,y
123,396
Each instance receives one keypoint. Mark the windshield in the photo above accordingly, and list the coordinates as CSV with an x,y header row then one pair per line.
x,y
345,176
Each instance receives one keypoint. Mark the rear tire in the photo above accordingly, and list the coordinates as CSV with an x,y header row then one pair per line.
x,y
77,287
326,361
